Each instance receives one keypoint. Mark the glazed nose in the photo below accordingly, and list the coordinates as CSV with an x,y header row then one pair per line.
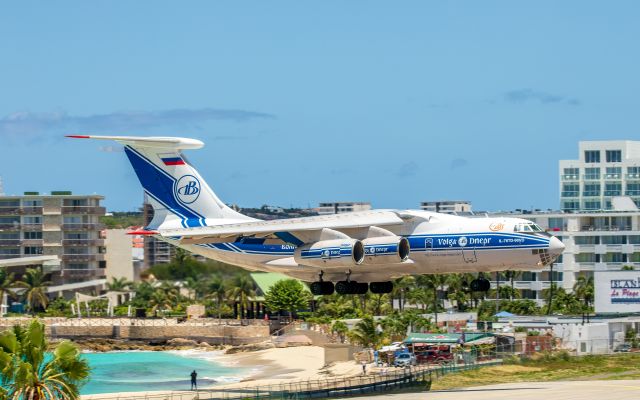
x,y
556,247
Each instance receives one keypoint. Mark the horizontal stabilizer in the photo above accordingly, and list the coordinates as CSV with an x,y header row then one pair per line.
x,y
177,143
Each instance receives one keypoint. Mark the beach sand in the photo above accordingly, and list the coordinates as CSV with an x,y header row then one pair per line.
x,y
280,365
266,367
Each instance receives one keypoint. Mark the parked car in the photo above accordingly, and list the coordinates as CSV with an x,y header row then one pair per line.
x,y
404,360
434,356
623,348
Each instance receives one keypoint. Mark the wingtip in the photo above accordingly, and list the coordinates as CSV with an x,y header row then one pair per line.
x,y
78,136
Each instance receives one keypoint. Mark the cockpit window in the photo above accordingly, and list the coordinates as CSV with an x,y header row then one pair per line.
x,y
527,227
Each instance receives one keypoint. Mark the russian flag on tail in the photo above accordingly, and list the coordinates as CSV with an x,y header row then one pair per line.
x,y
171,159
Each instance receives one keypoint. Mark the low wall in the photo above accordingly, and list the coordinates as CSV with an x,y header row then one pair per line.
x,y
231,332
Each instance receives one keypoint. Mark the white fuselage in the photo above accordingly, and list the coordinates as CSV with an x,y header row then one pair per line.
x,y
439,243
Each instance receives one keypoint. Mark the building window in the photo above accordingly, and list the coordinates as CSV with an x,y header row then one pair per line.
x,y
634,239
570,205
633,189
32,250
585,258
633,172
614,155
9,251
32,220
591,190
592,205
613,189
571,174
592,173
592,156
614,239
614,257
32,203
556,224
586,240
634,257
33,235
613,173
570,190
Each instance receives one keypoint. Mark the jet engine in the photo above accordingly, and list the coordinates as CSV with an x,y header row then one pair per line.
x,y
331,253
386,250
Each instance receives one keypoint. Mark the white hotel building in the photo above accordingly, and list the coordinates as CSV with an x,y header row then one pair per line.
x,y
604,169
596,236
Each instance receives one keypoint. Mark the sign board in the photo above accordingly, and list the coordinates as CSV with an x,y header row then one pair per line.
x,y
617,291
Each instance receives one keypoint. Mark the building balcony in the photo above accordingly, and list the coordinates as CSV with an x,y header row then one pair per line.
x,y
83,242
31,227
82,257
15,226
20,210
591,194
570,194
613,176
570,177
82,227
31,242
592,228
632,193
8,256
591,177
10,242
89,273
83,210
632,177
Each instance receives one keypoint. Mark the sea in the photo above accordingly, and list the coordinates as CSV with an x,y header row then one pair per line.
x,y
136,371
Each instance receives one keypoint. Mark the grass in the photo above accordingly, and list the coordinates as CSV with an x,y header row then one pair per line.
x,y
547,368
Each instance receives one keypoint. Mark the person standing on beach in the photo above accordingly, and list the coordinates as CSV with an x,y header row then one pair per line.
x,y
194,384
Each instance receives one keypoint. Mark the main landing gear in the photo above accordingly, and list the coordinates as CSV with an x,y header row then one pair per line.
x,y
480,285
349,287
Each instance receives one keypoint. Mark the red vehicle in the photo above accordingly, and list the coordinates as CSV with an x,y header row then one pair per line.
x,y
434,355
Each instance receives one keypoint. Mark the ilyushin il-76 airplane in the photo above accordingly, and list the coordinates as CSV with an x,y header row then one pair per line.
x,y
359,251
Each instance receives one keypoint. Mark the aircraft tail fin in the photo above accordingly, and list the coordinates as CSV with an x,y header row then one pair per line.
x,y
178,194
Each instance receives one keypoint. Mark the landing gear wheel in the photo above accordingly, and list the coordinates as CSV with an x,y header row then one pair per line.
x,y
381,287
361,287
343,287
321,288
480,285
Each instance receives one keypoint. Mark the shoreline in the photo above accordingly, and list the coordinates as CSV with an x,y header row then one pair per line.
x,y
272,366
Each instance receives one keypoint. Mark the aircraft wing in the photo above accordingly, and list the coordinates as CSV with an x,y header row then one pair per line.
x,y
285,229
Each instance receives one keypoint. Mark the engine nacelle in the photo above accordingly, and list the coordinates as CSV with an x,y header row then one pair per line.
x,y
331,253
386,250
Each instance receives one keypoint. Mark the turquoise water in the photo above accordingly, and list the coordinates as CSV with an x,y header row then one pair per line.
x,y
135,371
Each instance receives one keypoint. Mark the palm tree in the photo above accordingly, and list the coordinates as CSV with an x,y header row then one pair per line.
x,y
366,332
7,283
119,284
340,328
512,276
242,291
217,290
584,289
435,283
35,283
28,373
159,300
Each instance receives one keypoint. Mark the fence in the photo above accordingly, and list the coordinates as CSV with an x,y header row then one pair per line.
x,y
410,377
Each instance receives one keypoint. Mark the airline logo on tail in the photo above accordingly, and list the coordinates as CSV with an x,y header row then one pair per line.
x,y
187,189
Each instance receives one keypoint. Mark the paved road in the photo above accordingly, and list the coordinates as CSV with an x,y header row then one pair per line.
x,y
583,390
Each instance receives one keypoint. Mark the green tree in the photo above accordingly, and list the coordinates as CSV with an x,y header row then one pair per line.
x,y
242,290
584,289
287,295
217,290
340,328
118,284
366,333
35,284
7,283
512,276
27,373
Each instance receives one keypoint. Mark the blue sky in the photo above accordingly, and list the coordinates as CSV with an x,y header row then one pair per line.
x,y
302,102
